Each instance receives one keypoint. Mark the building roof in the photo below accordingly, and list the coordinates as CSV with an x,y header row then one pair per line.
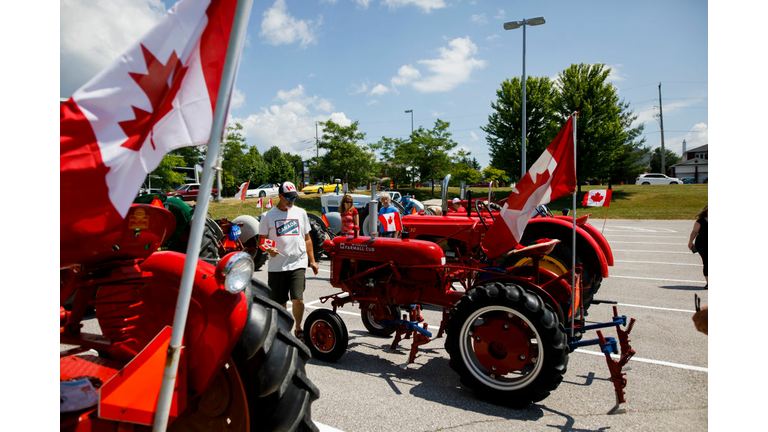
x,y
700,149
692,162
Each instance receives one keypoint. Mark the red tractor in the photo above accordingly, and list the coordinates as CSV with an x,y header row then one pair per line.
x,y
508,330
240,366
451,231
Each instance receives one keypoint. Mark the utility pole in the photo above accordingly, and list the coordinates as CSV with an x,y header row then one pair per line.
x,y
661,122
317,145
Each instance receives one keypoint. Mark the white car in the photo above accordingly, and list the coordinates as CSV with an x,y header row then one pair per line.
x,y
656,178
265,190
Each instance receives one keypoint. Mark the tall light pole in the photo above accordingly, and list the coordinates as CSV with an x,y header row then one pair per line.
x,y
511,26
410,111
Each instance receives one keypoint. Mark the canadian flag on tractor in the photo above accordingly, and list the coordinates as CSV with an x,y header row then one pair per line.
x,y
391,222
241,193
552,175
597,198
158,96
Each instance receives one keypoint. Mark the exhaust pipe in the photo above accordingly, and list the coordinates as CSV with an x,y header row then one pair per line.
x,y
445,193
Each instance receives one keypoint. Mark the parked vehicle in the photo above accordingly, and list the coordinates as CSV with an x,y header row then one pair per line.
x,y
233,368
188,192
265,190
508,330
688,180
656,178
483,184
321,188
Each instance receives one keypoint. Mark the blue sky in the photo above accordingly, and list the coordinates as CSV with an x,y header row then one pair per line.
x,y
370,60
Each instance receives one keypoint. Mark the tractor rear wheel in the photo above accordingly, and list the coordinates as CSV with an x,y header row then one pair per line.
x,y
272,367
373,325
326,335
506,344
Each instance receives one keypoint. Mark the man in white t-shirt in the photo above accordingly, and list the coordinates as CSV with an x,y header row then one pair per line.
x,y
288,226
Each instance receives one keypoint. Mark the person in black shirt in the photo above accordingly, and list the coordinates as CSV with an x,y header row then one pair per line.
x,y
698,239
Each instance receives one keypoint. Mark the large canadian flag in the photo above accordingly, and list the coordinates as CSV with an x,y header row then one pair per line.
x,y
552,175
242,192
157,96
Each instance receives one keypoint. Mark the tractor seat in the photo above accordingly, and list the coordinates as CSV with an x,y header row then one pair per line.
x,y
538,250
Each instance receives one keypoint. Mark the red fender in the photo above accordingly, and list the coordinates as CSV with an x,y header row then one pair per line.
x,y
595,250
215,319
598,236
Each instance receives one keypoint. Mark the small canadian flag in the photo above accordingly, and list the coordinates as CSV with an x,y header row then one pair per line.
x,y
258,203
269,203
390,222
266,243
597,198
242,192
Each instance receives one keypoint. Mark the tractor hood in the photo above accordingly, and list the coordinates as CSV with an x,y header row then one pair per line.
x,y
382,249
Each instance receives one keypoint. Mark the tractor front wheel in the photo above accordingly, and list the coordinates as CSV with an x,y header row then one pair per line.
x,y
374,325
506,344
326,335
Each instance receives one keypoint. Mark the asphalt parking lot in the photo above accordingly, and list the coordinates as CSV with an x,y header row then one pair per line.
x,y
653,280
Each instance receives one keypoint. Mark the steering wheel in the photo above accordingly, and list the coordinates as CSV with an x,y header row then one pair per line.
x,y
479,203
543,211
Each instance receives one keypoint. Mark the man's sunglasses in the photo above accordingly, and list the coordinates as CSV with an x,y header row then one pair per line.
x,y
290,198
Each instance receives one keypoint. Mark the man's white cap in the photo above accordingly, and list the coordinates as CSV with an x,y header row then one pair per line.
x,y
456,200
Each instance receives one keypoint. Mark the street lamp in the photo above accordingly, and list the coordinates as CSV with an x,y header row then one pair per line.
x,y
511,26
410,111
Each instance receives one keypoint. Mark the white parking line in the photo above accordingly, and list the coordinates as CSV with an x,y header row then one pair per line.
x,y
656,307
651,251
656,262
657,279
650,243
644,360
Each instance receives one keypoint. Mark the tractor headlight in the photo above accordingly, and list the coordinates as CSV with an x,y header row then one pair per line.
x,y
234,271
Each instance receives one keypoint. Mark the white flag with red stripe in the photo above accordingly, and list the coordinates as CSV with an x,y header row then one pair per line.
x,y
259,203
157,96
269,203
597,198
552,175
391,222
241,193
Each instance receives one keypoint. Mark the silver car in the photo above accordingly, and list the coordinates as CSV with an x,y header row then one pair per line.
x,y
656,178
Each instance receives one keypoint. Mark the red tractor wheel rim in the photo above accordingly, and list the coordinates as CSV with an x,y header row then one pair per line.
x,y
322,336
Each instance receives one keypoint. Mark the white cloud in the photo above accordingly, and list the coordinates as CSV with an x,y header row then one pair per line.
x,y
452,68
379,90
359,88
118,24
372,102
697,137
238,99
280,28
362,3
405,75
290,124
474,136
493,38
479,19
425,5
615,75
500,14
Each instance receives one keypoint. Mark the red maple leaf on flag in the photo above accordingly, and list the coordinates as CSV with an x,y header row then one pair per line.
x,y
597,197
155,84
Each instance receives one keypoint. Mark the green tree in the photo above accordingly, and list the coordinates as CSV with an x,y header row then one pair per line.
x,y
495,175
233,159
344,158
670,158
604,133
192,155
430,152
504,129
397,155
164,177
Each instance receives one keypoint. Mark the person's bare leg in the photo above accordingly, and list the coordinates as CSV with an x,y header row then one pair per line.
x,y
297,307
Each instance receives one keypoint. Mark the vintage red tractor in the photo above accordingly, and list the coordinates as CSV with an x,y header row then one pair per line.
x,y
508,330
240,367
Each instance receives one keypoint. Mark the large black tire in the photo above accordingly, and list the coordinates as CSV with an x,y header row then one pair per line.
x,y
326,335
209,247
373,326
506,344
318,234
272,366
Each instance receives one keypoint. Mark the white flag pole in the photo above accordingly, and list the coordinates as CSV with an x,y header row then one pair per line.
x,y
573,247
237,35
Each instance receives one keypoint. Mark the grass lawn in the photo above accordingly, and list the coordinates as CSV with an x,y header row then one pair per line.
x,y
628,201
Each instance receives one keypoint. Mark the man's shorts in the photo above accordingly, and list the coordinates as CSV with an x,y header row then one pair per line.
x,y
285,282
